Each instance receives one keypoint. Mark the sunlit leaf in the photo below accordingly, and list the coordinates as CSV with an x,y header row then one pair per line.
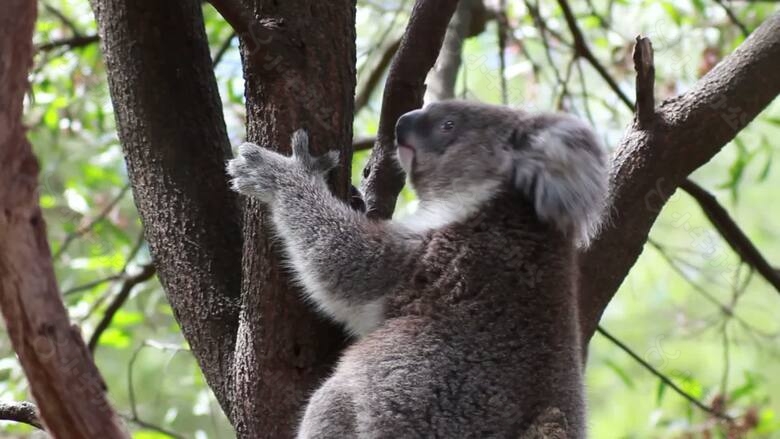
x,y
149,434
660,391
115,338
126,318
621,373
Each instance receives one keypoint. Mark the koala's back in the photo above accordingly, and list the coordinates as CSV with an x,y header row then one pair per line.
x,y
481,341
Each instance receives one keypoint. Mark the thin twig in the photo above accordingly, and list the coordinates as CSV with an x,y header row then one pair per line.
x,y
584,91
149,426
724,379
376,75
363,143
663,377
381,40
133,416
543,31
81,231
559,101
503,26
223,49
734,19
583,50
146,273
70,43
65,20
116,276
131,365
92,284
733,235
726,310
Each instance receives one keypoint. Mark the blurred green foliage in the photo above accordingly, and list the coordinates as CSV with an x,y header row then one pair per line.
x,y
670,309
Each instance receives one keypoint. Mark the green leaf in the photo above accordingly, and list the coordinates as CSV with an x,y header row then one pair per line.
x,y
672,12
767,422
692,387
737,169
590,22
660,391
115,338
124,319
766,146
624,376
751,384
149,434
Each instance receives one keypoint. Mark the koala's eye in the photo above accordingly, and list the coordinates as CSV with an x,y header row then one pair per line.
x,y
448,125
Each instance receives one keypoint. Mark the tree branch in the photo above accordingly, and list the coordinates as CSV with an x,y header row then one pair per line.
x,y
649,165
441,79
24,412
583,50
728,228
645,82
376,75
666,380
236,13
403,92
268,42
64,381
172,132
70,43
733,18
645,112
65,20
284,348
223,48
85,228
146,273
363,143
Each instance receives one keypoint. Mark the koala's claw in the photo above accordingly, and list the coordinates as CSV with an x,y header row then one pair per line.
x,y
300,152
255,171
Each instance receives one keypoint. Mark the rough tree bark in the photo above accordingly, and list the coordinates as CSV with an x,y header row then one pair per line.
x,y
64,381
299,67
170,124
261,349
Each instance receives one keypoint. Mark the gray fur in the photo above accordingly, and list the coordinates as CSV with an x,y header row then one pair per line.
x,y
465,311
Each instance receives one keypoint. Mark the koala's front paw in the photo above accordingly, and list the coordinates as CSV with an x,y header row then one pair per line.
x,y
258,171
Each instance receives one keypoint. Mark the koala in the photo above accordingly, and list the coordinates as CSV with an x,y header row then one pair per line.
x,y
464,312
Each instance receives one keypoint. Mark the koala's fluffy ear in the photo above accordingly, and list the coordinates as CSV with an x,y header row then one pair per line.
x,y
560,165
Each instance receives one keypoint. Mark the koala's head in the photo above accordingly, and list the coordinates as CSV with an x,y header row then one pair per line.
x,y
467,150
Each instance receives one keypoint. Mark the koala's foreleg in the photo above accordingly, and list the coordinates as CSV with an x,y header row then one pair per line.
x,y
346,263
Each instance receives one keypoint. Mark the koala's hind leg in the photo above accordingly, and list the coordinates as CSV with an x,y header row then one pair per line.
x,y
329,414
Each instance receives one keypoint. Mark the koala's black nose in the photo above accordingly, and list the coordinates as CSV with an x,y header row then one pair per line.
x,y
404,126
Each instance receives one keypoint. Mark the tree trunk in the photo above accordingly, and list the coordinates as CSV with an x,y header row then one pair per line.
x,y
286,348
170,123
65,383
261,348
